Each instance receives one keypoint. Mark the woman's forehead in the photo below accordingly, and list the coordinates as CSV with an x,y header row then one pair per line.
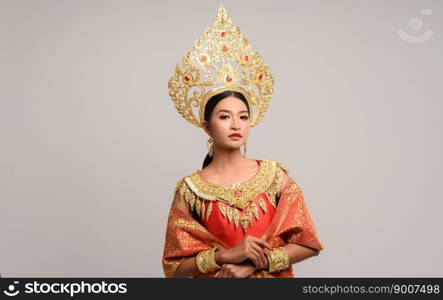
x,y
231,104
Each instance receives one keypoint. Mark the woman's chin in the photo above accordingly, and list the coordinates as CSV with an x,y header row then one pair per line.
x,y
232,146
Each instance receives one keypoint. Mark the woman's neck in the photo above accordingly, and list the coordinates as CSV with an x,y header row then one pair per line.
x,y
229,162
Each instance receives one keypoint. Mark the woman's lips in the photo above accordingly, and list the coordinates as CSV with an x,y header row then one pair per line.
x,y
235,137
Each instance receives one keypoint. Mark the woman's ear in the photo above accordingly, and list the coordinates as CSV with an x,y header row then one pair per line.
x,y
206,128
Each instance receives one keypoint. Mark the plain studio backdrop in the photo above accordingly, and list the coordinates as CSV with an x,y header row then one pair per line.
x,y
92,147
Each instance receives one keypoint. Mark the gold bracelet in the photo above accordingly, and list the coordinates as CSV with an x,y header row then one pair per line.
x,y
206,260
278,259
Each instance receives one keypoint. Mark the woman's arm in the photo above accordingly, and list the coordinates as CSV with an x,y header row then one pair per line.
x,y
234,256
188,267
296,253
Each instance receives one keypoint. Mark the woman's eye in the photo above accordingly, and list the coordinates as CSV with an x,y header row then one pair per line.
x,y
242,117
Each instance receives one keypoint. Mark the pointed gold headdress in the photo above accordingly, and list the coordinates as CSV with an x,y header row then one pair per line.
x,y
222,59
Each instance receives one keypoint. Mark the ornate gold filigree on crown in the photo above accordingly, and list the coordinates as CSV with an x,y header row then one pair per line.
x,y
222,59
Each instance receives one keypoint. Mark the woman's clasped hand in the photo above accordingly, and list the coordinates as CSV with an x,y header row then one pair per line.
x,y
250,248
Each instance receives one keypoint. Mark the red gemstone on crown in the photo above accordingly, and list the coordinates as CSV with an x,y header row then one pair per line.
x,y
260,77
228,78
225,48
203,58
223,34
246,57
186,78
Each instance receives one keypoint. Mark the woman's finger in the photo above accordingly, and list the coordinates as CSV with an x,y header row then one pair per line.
x,y
261,243
261,254
254,255
223,273
226,273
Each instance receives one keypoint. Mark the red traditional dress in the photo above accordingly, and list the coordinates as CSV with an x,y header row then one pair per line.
x,y
224,215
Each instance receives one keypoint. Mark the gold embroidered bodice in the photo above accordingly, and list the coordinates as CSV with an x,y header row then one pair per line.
x,y
238,196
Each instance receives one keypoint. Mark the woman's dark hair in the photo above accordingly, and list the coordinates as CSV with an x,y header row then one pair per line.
x,y
209,108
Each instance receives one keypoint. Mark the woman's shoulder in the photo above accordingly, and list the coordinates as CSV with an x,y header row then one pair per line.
x,y
181,181
276,164
186,176
282,172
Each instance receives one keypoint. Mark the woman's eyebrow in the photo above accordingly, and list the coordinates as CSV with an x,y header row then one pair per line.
x,y
229,111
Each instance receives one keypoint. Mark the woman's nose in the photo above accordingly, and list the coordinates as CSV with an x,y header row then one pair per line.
x,y
234,124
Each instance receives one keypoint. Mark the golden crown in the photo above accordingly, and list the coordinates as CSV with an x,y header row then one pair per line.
x,y
222,59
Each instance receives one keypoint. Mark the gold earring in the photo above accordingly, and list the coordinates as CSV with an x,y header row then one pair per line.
x,y
210,146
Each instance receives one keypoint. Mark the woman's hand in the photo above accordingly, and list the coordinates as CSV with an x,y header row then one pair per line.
x,y
250,248
235,271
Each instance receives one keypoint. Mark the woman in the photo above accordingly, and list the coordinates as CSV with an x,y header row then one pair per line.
x,y
237,217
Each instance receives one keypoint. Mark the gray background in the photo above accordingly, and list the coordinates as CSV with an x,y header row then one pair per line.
x,y
91,146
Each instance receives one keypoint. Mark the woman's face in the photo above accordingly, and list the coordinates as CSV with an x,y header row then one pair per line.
x,y
230,116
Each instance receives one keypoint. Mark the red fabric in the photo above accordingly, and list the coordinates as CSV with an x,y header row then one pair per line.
x,y
226,231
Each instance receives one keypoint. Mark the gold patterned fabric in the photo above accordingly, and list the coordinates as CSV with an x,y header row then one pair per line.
x,y
231,199
186,236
